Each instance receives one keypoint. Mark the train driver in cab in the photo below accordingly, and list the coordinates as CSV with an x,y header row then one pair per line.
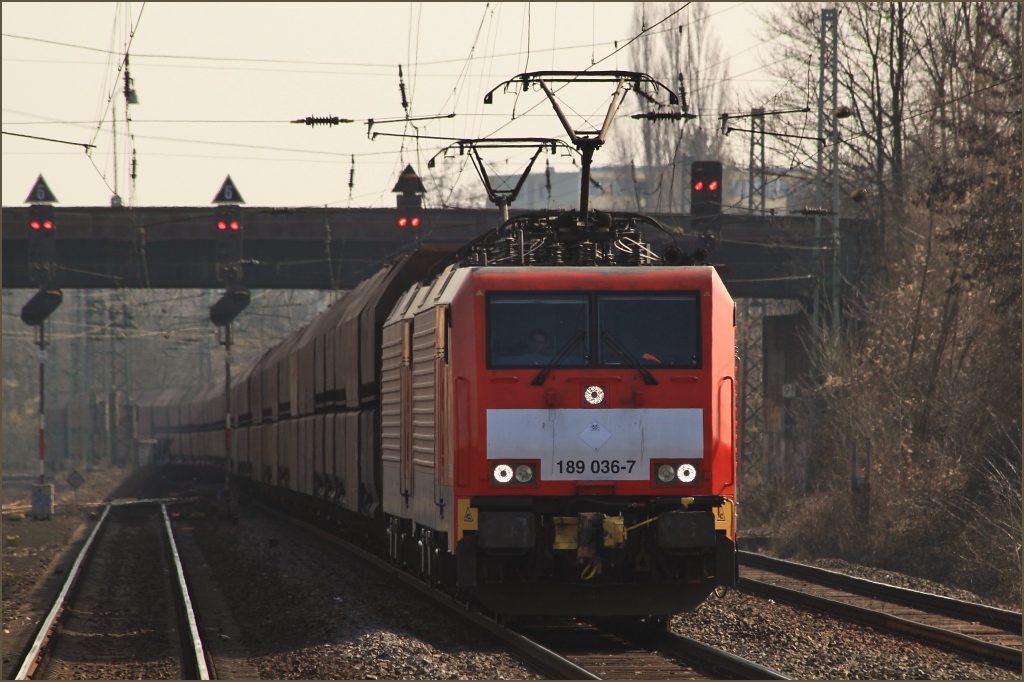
x,y
538,349
534,350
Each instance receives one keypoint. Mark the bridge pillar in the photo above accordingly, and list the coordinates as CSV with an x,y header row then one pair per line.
x,y
786,365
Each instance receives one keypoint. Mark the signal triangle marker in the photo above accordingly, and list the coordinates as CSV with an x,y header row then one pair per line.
x,y
228,193
40,193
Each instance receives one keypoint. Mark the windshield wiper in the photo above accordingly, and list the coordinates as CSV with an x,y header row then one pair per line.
x,y
624,353
567,348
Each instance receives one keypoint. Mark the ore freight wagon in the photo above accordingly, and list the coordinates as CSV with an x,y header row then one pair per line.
x,y
543,421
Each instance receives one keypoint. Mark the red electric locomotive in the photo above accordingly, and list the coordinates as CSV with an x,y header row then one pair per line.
x,y
558,439
546,426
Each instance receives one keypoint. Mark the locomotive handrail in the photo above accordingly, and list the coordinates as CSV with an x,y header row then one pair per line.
x,y
732,420
461,429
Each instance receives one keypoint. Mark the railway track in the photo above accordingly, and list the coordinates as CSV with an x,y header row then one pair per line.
x,y
990,633
610,650
124,610
576,650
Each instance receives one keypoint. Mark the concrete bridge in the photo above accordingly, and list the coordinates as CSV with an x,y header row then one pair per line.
x,y
335,248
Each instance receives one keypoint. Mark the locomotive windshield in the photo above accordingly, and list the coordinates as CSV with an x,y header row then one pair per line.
x,y
651,329
528,329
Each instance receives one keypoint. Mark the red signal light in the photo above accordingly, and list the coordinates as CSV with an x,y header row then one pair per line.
x,y
48,225
416,221
234,224
713,185
699,185
35,224
222,225
403,221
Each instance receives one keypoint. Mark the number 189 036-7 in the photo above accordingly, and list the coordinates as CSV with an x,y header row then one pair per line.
x,y
595,466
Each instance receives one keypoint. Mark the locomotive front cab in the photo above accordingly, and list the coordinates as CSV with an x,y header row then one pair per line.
x,y
595,437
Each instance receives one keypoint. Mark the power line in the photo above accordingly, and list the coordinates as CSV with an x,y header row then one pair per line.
x,y
886,126
139,120
222,144
643,33
265,60
466,61
49,139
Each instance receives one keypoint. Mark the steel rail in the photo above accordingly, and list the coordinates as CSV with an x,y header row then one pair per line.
x,y
549,662
947,606
28,666
123,502
674,645
190,616
880,619
739,668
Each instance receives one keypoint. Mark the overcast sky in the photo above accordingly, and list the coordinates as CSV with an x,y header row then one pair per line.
x,y
217,84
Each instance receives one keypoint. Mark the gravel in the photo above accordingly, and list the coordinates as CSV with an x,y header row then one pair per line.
x,y
334,619
806,644
306,610
303,609
907,581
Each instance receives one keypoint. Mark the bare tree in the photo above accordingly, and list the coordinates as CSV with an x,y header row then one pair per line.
x,y
685,55
876,59
927,371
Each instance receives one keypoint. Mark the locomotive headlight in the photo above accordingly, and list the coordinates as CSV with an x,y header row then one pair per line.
x,y
594,395
666,473
686,473
503,473
524,473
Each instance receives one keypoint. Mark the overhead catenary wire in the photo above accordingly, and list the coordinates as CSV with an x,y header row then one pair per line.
x,y
490,55
346,74
419,74
267,60
644,30
48,139
886,126
230,144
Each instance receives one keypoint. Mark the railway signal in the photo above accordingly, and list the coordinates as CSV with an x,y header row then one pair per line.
x,y
228,233
410,220
705,188
229,237
42,257
228,307
409,199
42,248
228,245
41,306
